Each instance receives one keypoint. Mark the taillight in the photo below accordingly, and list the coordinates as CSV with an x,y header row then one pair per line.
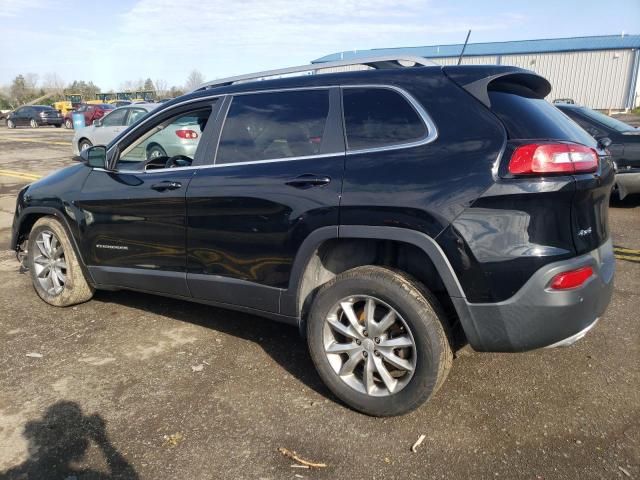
x,y
571,279
186,134
541,158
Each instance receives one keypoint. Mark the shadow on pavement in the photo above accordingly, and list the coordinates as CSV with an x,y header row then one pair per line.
x,y
62,437
281,342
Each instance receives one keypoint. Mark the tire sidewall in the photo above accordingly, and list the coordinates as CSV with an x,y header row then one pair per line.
x,y
421,320
157,148
74,277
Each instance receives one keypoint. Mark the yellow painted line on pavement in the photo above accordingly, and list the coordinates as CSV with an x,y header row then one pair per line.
x,y
32,140
21,175
626,250
628,259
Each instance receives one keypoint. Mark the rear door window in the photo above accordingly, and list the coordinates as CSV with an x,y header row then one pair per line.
x,y
528,117
115,118
135,114
274,125
379,117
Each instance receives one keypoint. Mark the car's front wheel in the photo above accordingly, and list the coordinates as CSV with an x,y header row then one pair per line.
x,y
10,124
33,123
377,339
55,271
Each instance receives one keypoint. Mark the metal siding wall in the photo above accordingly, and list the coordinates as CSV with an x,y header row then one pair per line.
x,y
597,79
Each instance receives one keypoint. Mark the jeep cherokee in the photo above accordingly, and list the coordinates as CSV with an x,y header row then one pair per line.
x,y
387,213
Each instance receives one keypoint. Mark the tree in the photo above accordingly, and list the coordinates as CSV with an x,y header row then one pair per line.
x,y
19,92
148,85
194,80
87,90
53,83
161,87
175,92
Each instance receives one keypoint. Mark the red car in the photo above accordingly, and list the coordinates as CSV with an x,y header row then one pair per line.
x,y
91,113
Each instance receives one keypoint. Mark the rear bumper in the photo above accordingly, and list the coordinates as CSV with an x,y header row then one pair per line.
x,y
50,121
628,182
538,317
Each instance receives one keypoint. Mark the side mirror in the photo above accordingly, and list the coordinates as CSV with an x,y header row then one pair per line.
x,y
97,123
604,142
95,157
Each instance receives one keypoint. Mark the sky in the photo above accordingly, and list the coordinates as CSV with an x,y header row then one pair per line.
x,y
111,42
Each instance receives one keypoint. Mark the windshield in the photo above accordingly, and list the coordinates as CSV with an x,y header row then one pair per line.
x,y
608,121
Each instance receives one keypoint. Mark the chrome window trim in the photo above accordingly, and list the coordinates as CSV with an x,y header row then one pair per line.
x,y
432,131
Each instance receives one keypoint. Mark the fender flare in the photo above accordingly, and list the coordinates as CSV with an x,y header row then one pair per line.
x,y
289,300
50,211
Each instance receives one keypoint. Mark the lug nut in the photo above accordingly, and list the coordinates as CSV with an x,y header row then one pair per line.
x,y
358,342
365,333
377,339
365,354
376,353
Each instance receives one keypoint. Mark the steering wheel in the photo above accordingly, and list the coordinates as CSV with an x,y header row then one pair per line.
x,y
178,161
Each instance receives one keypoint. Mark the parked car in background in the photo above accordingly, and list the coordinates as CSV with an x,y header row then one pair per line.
x,y
359,207
624,148
34,116
179,138
120,103
90,112
103,130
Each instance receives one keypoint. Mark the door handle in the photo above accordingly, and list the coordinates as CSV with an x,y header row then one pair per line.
x,y
308,180
166,185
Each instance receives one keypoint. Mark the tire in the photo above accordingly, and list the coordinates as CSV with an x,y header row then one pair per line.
x,y
419,319
155,151
84,144
71,286
68,124
33,123
11,124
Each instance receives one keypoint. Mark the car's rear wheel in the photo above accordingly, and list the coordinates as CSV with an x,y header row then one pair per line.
x,y
84,144
10,124
33,123
68,124
155,151
377,339
55,271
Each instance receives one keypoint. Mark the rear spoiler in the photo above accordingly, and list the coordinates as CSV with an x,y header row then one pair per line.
x,y
479,79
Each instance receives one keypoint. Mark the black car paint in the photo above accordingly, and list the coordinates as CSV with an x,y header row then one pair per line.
x,y
624,147
240,236
42,115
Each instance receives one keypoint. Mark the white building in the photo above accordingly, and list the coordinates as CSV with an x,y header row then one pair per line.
x,y
599,72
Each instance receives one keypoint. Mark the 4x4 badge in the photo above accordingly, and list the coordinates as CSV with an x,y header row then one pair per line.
x,y
585,232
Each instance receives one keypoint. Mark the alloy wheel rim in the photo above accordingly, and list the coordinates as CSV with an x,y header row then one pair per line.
x,y
33,123
49,263
369,345
84,146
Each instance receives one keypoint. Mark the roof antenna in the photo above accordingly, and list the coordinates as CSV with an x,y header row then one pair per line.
x,y
464,47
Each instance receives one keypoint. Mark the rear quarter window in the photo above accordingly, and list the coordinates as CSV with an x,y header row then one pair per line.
x,y
527,117
379,117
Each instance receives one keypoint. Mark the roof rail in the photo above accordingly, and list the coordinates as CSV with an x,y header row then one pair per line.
x,y
377,62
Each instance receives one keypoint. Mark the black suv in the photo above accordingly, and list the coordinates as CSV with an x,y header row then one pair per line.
x,y
34,116
387,213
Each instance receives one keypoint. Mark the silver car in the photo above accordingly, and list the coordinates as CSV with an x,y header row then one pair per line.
x,y
178,138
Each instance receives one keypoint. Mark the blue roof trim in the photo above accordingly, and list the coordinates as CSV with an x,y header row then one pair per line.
x,y
573,44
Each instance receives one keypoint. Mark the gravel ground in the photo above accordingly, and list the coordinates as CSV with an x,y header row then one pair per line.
x,y
135,386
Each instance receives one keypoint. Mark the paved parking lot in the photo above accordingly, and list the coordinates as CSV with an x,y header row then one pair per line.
x,y
135,386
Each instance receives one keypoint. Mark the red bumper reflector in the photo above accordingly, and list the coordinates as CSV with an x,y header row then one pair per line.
x,y
571,279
